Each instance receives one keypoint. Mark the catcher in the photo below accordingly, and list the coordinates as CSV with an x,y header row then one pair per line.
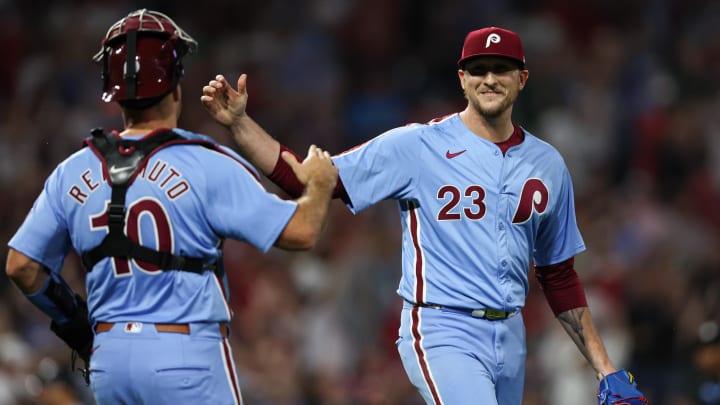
x,y
147,209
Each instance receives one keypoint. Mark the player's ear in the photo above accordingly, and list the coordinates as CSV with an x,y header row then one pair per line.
x,y
524,74
176,93
461,77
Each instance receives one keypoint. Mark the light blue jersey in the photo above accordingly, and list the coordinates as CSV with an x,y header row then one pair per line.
x,y
474,221
186,200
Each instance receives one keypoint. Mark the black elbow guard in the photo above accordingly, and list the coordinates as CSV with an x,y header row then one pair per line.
x,y
76,332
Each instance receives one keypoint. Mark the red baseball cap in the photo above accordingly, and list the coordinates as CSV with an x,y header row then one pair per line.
x,y
493,41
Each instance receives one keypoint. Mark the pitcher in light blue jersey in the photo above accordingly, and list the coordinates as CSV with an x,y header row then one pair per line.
x,y
147,209
481,201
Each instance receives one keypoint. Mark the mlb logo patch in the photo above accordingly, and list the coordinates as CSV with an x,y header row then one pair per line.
x,y
133,327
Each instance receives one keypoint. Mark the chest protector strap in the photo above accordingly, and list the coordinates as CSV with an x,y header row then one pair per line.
x,y
123,160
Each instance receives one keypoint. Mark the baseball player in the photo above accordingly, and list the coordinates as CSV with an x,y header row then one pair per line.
x,y
147,209
488,201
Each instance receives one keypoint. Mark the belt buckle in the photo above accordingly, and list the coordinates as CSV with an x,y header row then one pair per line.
x,y
478,313
495,314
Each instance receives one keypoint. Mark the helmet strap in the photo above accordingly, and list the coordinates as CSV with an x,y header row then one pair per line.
x,y
130,74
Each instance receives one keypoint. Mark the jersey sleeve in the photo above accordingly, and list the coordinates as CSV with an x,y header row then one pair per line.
x,y
43,235
384,167
240,207
559,237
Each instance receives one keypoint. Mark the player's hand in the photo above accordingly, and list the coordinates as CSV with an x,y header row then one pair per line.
x,y
316,170
225,104
620,387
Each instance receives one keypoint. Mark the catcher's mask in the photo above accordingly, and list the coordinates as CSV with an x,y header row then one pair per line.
x,y
141,56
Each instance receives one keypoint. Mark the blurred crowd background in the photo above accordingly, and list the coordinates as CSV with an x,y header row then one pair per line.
x,y
627,91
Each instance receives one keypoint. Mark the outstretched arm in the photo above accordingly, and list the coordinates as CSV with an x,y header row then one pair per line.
x,y
227,106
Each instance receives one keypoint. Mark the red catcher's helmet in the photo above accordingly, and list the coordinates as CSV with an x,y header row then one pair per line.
x,y
141,56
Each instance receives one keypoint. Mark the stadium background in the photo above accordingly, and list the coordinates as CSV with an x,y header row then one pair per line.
x,y
627,91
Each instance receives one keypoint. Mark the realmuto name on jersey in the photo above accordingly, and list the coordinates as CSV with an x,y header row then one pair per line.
x,y
160,173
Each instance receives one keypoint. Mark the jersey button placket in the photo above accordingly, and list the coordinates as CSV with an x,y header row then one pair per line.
x,y
502,237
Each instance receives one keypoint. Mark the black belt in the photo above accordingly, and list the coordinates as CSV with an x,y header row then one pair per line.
x,y
483,313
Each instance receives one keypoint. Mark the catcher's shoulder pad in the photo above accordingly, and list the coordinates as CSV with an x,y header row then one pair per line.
x,y
620,387
123,157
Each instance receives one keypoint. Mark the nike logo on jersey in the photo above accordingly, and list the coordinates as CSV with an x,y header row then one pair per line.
x,y
450,155
115,170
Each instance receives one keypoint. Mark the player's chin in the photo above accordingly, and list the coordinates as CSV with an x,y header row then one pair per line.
x,y
491,110
494,106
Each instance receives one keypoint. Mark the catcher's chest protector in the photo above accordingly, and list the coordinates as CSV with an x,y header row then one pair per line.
x,y
122,160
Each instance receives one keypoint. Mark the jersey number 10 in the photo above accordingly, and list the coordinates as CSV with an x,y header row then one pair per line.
x,y
162,231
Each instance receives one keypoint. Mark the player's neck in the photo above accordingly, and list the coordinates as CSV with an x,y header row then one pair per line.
x,y
495,130
145,127
164,114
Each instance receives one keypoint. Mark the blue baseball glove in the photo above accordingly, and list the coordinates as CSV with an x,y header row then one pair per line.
x,y
620,388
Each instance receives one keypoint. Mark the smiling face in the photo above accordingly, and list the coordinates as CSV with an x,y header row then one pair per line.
x,y
491,84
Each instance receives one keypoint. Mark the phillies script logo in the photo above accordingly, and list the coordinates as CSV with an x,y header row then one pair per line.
x,y
534,197
492,39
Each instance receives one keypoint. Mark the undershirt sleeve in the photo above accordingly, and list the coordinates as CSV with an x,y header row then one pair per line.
x,y
562,286
284,177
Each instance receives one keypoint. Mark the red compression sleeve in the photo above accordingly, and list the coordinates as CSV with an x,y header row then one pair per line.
x,y
284,177
562,286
